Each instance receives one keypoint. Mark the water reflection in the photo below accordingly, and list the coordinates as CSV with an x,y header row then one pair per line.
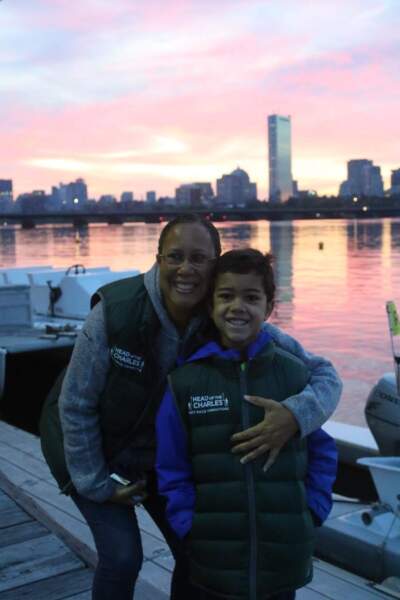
x,y
395,233
364,234
333,279
7,246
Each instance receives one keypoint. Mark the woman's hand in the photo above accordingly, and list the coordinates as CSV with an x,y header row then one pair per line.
x,y
134,493
277,427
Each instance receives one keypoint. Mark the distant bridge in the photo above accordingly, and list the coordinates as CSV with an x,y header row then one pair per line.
x,y
270,213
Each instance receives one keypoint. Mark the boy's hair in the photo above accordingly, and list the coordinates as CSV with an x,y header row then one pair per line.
x,y
248,260
191,218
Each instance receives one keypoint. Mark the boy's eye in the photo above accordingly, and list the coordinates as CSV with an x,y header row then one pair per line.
x,y
224,296
252,298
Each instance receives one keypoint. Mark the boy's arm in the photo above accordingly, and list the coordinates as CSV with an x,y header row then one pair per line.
x,y
321,474
174,470
305,412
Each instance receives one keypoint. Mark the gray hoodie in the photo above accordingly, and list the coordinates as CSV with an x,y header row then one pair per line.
x,y
87,373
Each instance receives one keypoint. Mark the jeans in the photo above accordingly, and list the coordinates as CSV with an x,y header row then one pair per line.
x,y
119,547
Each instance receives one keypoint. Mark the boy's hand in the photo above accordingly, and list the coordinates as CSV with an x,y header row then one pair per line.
x,y
277,427
132,494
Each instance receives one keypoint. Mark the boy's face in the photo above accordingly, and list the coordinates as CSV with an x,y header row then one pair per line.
x,y
239,308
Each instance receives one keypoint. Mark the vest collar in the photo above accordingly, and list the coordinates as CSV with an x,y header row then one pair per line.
x,y
213,348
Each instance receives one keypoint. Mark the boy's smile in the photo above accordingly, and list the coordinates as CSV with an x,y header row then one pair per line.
x,y
239,309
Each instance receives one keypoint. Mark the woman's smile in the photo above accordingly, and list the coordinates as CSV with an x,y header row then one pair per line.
x,y
184,285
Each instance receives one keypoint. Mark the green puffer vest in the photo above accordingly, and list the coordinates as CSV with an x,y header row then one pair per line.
x,y
133,388
252,533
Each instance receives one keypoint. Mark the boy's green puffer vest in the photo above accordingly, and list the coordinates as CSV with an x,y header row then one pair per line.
x,y
133,389
252,533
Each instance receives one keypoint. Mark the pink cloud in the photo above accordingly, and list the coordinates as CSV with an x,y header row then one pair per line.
x,y
202,75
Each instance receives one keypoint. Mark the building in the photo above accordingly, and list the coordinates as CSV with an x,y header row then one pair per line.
x,y
194,194
151,198
6,195
236,189
280,158
127,197
363,179
106,201
395,182
33,202
69,196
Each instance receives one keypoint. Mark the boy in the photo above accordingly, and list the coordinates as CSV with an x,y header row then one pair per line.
x,y
249,532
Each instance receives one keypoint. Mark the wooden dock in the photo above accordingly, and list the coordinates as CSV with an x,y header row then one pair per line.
x,y
47,551
35,563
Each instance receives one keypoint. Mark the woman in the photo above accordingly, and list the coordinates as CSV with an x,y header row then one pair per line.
x,y
112,389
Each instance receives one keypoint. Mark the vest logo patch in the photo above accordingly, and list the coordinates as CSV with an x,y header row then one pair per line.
x,y
123,358
200,405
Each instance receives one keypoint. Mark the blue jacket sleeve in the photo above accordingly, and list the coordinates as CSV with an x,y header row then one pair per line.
x,y
321,474
174,470
316,403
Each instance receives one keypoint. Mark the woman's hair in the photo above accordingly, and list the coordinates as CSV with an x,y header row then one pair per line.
x,y
248,260
190,218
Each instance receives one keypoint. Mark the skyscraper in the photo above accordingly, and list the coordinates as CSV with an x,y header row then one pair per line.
x,y
280,158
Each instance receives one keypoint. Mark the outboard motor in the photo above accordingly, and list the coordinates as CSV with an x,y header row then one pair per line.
x,y
382,410
382,413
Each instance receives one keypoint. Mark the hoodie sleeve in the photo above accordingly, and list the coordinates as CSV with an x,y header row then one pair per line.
x,y
174,470
79,411
321,474
317,402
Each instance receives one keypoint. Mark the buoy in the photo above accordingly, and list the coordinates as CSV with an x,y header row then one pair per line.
x,y
321,245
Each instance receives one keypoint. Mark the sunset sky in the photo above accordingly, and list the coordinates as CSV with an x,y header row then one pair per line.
x,y
147,94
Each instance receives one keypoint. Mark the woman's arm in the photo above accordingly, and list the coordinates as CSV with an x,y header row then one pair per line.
x,y
304,412
78,404
174,470
317,402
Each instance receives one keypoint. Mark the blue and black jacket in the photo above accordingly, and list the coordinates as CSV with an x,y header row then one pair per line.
x,y
174,467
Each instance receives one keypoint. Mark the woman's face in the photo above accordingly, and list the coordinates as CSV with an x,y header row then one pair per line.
x,y
185,266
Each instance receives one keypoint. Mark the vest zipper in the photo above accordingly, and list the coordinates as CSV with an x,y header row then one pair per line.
x,y
251,496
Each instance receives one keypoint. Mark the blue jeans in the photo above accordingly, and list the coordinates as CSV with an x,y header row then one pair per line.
x,y
119,546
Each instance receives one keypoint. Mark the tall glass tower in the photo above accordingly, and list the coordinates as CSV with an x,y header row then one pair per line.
x,y
280,158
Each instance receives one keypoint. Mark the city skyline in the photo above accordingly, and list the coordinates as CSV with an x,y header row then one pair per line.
x,y
130,98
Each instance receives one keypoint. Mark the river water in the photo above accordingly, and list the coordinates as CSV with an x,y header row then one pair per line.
x,y
333,276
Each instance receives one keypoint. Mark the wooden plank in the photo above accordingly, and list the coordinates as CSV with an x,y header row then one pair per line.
x,y
34,560
68,585
21,533
19,439
31,463
145,591
25,488
5,500
307,594
156,576
340,573
334,587
13,516
83,596
158,551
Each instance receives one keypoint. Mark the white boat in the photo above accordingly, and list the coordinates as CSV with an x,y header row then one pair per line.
x,y
363,532
41,311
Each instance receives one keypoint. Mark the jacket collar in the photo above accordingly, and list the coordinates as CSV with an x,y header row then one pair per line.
x,y
213,348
